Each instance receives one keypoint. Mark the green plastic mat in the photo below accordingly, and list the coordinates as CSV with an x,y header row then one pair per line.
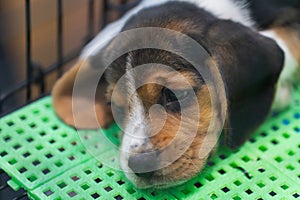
x,y
50,161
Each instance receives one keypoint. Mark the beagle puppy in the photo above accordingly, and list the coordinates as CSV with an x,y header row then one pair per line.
x,y
249,49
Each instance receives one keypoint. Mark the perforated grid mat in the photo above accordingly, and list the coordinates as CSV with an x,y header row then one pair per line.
x,y
49,160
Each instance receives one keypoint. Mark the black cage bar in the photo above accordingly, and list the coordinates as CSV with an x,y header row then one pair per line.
x,y
35,74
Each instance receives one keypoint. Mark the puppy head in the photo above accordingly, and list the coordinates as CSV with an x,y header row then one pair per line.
x,y
168,115
159,146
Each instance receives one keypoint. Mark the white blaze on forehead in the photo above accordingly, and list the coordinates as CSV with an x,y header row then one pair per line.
x,y
136,127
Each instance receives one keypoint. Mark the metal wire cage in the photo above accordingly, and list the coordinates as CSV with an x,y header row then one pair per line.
x,y
36,74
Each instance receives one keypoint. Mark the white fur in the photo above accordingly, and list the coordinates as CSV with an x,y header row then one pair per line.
x,y
135,131
284,90
224,9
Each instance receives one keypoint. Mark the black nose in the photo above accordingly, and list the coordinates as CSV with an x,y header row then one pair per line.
x,y
143,164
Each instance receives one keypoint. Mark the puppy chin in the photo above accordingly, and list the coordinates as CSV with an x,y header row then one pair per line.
x,y
159,182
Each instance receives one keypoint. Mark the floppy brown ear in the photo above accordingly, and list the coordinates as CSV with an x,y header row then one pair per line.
x,y
250,65
76,107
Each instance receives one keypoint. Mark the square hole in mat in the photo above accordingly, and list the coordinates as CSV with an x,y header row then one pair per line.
x,y
23,117
55,127
7,138
3,154
237,183
74,143
45,119
39,147
284,187
264,134
20,131
52,141
286,135
46,171
225,189
85,186
30,139
26,154
286,122
22,170
246,159
249,191
198,185
32,178
71,158
32,125
12,161
261,170
72,193
291,153
48,192
58,164
222,171
36,162
278,159
98,180
42,133
87,171
273,178
274,142
10,123
210,177
236,197
118,197
290,167
49,155
261,184
120,182
110,173
75,178
262,148
130,190
61,184
296,195
275,128
95,195
222,157
272,193
213,196
17,146
108,188
36,112
61,149
64,135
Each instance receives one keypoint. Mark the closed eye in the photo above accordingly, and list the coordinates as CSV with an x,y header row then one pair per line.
x,y
171,99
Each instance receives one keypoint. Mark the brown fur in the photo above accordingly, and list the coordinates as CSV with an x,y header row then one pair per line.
x,y
189,163
62,101
292,38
